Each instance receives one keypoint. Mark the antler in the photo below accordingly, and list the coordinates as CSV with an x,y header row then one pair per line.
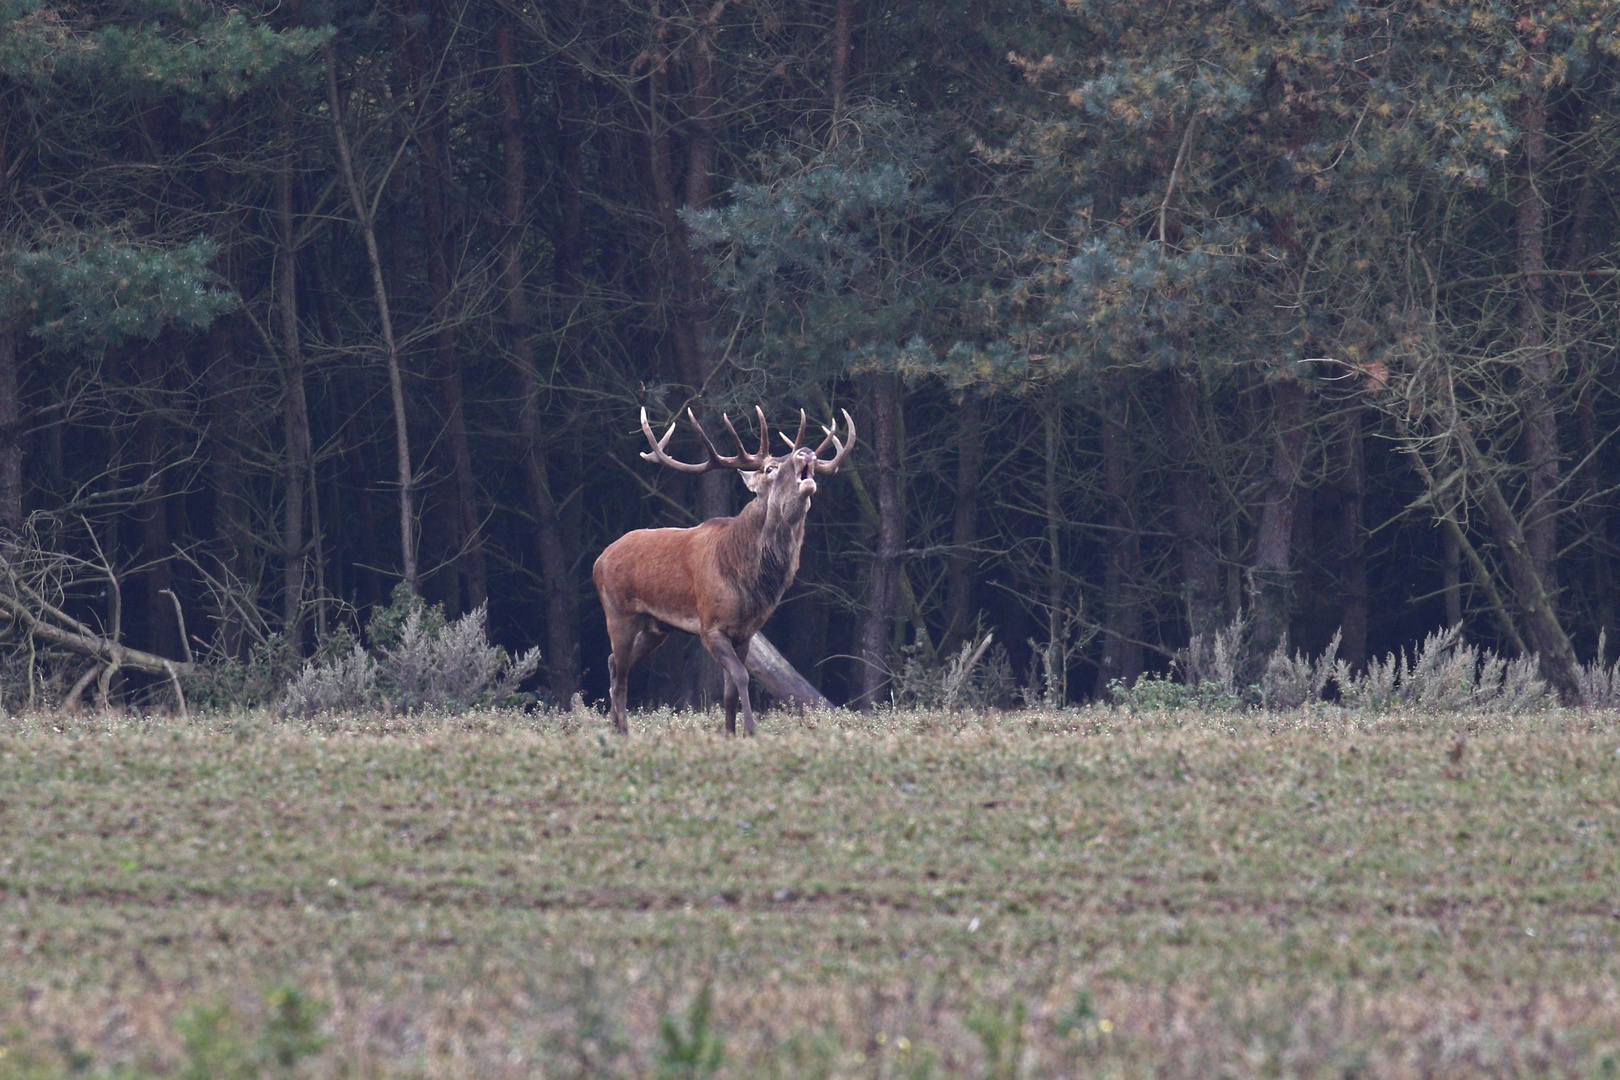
x,y
830,466
742,460
798,440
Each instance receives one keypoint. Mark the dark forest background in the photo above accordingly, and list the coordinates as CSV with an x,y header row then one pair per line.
x,y
1151,316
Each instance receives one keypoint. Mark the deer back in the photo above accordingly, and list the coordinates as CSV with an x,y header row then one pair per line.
x,y
726,572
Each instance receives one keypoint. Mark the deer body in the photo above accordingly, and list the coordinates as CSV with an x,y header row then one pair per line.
x,y
720,580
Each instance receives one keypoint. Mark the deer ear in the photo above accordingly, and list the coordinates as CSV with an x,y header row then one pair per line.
x,y
752,479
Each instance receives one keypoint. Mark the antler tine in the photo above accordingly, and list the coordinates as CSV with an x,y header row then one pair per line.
x,y
741,459
798,440
764,435
715,455
830,466
659,455
829,431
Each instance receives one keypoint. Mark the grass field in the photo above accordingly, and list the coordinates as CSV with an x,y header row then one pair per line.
x,y
1076,894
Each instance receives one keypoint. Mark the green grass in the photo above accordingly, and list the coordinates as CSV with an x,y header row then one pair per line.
x,y
1087,893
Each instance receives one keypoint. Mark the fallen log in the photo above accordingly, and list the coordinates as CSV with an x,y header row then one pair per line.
x,y
772,671
81,640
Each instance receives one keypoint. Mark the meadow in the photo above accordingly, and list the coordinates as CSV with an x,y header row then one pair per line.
x,y
1081,893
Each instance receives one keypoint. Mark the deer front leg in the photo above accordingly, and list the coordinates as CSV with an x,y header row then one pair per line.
x,y
721,648
731,706
747,702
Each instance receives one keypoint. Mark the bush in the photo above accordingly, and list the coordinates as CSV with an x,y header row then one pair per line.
x,y
1152,692
1214,667
1600,684
1291,681
976,677
417,660
221,682
1443,675
1204,675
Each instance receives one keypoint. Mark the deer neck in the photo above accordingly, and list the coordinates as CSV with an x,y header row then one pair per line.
x,y
764,553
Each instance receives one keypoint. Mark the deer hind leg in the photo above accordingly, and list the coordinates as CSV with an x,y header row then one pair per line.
x,y
731,660
633,640
619,683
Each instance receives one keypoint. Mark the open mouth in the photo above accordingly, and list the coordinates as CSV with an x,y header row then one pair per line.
x,y
805,465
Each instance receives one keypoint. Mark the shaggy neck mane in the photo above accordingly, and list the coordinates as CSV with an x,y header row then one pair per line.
x,y
761,552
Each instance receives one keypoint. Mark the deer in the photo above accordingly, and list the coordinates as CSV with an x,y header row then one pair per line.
x,y
720,580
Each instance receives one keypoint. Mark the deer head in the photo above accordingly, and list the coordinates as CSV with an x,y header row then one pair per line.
x,y
785,481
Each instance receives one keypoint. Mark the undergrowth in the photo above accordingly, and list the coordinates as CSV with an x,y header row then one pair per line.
x,y
417,660
1444,674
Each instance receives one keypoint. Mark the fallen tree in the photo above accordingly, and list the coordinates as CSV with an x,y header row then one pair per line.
x,y
33,583
772,671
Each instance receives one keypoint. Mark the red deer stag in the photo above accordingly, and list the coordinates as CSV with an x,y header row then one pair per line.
x,y
719,580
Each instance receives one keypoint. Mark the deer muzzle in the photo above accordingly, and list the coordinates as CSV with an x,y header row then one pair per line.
x,y
804,463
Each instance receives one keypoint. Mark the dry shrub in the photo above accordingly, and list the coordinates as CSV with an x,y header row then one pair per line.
x,y
1442,675
1445,675
417,661
977,676
1600,683
1291,681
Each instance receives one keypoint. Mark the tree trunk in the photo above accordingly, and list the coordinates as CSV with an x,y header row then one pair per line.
x,y
716,489
152,513
1271,576
352,398
1596,515
1446,509
1451,580
807,618
1056,657
396,383
882,585
11,455
1197,541
227,478
294,410
471,568
686,275
1122,629
965,524
1595,511
1547,637
701,140
838,79
1540,420
11,501
561,592
1351,474
432,156
353,422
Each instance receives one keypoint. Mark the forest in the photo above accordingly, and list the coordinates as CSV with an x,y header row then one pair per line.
x,y
1155,320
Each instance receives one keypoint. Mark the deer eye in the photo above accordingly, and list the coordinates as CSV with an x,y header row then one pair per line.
x,y
770,470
